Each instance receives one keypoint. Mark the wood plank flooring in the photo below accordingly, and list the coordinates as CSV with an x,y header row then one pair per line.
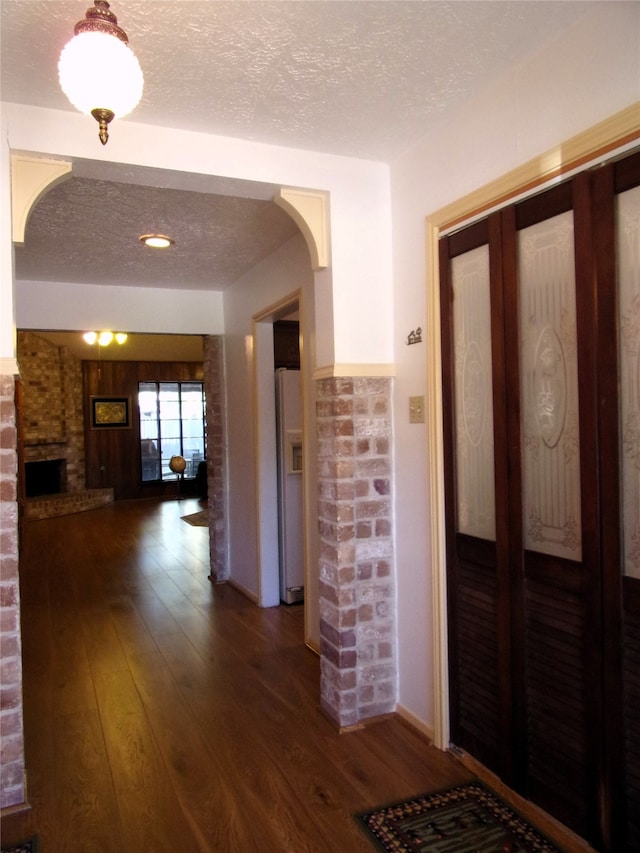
x,y
163,713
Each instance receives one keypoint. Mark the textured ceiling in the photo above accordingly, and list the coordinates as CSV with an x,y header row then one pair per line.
x,y
360,78
81,223
357,78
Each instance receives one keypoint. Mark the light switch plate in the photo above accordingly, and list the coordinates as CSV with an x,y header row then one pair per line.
x,y
416,410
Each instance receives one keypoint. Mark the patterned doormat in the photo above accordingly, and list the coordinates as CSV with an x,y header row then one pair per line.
x,y
465,819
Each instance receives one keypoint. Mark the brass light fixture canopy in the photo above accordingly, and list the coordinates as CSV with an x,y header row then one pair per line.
x,y
98,71
100,19
103,117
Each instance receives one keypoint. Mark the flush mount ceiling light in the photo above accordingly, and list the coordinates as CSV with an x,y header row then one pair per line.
x,y
157,241
98,71
103,339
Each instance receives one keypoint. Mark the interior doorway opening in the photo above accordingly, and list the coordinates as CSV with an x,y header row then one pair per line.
x,y
278,345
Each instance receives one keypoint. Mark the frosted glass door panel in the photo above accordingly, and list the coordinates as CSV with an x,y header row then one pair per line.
x,y
548,363
628,239
473,394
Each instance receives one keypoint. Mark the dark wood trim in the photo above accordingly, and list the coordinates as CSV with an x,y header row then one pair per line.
x,y
513,510
604,259
468,238
566,576
631,595
506,573
480,552
587,336
544,205
626,172
446,300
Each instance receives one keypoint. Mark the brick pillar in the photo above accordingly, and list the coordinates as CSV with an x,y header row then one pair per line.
x,y
216,456
12,771
73,391
357,592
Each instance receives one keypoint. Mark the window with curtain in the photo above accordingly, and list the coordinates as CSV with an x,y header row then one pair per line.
x,y
172,423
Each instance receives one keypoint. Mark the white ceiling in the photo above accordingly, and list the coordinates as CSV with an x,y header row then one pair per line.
x,y
364,79
351,77
87,231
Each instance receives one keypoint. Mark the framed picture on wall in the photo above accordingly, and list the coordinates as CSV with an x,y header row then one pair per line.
x,y
110,412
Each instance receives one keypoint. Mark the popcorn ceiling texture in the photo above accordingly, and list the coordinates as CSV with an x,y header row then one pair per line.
x,y
218,238
362,79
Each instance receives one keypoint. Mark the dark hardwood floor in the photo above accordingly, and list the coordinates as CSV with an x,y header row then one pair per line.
x,y
163,713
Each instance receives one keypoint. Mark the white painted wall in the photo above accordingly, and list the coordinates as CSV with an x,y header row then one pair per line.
x,y
7,308
275,279
64,306
360,275
573,84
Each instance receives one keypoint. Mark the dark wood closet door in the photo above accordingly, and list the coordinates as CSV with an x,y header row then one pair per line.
x,y
540,691
555,620
476,497
616,198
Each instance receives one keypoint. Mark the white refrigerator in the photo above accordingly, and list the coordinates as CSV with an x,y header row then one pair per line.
x,y
290,521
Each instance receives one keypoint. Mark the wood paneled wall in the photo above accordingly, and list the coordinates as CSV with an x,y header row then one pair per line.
x,y
113,455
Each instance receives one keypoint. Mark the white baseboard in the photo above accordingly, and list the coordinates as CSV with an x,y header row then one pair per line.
x,y
243,591
415,722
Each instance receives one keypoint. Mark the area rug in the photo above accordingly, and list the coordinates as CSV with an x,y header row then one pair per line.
x,y
198,519
30,846
465,819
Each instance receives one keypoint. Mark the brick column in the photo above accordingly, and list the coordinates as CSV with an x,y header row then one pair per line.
x,y
216,456
73,393
12,772
357,592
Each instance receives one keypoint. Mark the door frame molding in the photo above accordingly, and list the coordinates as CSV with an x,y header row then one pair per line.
x,y
265,447
614,135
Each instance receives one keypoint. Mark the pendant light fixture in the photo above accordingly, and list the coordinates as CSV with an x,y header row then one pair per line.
x,y
98,71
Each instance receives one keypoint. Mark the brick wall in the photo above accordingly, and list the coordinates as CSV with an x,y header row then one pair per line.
x,y
73,396
52,406
43,419
357,592
12,772
216,455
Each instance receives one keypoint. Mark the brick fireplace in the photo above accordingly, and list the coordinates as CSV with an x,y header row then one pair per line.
x,y
53,431
47,477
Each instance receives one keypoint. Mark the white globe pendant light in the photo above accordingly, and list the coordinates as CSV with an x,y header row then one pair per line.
x,y
98,71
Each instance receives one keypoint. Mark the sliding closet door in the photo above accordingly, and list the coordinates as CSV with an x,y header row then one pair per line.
x,y
541,381
616,197
523,540
557,623
628,256
472,350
